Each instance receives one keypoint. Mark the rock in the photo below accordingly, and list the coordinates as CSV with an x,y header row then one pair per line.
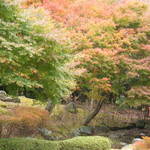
x,y
114,136
147,124
99,129
76,133
2,93
9,99
85,130
140,124
47,134
127,147
5,98
117,135
71,107
123,144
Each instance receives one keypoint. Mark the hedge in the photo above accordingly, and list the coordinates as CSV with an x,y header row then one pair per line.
x,y
77,143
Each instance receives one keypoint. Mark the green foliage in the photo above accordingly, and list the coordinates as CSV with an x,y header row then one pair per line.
x,y
8,9
79,143
30,60
87,143
27,144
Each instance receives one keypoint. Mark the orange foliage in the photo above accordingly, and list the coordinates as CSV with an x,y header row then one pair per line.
x,y
32,117
27,3
111,41
23,121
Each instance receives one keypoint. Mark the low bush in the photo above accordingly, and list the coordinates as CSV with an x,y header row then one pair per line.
x,y
86,143
78,143
23,121
27,144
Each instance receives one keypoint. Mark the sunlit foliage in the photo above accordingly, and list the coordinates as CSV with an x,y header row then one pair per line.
x,y
32,59
112,39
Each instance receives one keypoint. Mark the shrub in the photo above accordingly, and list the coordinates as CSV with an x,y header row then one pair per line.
x,y
27,144
23,121
86,143
79,143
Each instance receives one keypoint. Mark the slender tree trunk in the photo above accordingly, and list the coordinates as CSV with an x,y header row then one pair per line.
x,y
94,113
146,112
92,105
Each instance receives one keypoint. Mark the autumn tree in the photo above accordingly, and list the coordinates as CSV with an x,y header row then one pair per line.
x,y
110,42
113,46
32,58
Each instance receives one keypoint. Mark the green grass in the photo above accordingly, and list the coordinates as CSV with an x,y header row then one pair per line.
x,y
78,143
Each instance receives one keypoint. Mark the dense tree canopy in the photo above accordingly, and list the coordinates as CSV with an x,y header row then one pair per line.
x,y
110,42
30,59
113,43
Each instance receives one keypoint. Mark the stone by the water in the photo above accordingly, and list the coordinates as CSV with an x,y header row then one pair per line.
x,y
128,147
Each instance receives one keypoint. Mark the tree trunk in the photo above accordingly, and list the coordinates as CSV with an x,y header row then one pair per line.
x,y
94,113
92,105
146,112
